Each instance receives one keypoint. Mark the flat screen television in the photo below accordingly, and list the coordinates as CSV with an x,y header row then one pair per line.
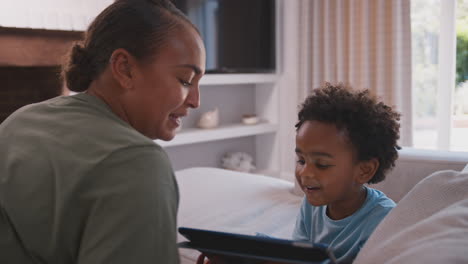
x,y
239,35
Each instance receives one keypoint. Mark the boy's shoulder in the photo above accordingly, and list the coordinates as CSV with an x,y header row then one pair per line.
x,y
378,205
378,198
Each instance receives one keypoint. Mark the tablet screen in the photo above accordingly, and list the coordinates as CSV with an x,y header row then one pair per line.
x,y
257,247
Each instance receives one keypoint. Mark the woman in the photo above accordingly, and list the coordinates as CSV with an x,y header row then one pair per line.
x,y
81,180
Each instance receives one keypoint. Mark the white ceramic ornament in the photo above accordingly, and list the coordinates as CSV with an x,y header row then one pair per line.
x,y
238,161
209,119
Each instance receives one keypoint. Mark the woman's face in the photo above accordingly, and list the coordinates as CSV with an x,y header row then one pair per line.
x,y
165,89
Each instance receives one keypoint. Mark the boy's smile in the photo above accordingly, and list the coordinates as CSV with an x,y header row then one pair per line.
x,y
327,170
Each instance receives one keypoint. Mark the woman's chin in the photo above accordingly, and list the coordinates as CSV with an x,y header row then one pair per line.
x,y
168,135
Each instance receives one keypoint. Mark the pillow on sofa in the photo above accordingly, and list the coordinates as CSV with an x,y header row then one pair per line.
x,y
413,165
429,225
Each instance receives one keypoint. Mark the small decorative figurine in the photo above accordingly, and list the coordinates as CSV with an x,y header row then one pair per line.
x,y
238,161
249,119
209,119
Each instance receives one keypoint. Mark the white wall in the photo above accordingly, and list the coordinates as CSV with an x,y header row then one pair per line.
x,y
72,15
289,86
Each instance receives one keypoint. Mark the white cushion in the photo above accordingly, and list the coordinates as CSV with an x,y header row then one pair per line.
x,y
429,225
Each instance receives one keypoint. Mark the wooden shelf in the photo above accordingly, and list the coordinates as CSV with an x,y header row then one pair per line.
x,y
197,135
239,78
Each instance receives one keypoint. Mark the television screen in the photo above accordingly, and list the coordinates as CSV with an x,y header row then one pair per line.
x,y
239,35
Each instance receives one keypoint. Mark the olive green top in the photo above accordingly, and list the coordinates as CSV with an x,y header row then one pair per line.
x,y
79,185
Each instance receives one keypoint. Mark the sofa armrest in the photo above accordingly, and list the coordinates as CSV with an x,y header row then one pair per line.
x,y
413,165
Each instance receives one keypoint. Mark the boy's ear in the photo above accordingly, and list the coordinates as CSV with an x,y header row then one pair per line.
x,y
367,170
121,63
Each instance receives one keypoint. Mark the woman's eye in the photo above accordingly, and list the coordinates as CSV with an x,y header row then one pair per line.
x,y
185,83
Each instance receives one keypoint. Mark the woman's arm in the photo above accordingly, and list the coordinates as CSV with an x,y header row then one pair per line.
x,y
131,201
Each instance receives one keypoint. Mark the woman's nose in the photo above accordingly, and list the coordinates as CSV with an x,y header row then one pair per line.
x,y
193,98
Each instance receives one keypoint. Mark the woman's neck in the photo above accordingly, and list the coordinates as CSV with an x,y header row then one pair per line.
x,y
106,89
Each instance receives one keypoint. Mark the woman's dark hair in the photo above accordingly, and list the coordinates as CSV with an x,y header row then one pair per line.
x,y
138,26
371,127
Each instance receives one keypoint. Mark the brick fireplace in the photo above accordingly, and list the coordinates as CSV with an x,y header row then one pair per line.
x,y
30,62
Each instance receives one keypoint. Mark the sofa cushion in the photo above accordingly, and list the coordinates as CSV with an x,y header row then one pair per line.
x,y
413,165
429,225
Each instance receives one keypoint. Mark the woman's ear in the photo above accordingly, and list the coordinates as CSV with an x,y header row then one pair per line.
x,y
121,63
367,170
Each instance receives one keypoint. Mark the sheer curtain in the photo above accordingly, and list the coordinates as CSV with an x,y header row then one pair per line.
x,y
364,43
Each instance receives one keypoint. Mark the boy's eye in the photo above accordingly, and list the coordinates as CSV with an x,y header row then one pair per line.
x,y
300,161
322,165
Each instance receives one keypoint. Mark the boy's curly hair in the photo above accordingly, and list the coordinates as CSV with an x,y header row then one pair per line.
x,y
371,126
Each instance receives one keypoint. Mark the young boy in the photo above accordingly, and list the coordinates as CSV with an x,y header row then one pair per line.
x,y
344,140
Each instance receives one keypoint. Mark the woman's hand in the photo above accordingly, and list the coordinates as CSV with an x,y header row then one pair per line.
x,y
217,259
213,259
201,259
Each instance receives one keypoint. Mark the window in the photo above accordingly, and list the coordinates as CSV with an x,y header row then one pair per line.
x,y
440,74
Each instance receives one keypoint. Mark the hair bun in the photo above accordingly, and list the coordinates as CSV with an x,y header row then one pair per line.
x,y
78,55
78,71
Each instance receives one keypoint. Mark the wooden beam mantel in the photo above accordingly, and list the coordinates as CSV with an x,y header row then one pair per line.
x,y
33,47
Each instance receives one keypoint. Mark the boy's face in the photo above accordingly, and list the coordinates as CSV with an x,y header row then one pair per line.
x,y
326,169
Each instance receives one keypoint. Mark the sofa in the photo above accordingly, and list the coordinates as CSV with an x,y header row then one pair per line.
x,y
413,165
222,200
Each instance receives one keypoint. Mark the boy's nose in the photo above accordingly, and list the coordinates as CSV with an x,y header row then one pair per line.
x,y
305,172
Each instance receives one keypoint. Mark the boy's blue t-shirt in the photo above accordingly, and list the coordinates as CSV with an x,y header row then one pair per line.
x,y
345,236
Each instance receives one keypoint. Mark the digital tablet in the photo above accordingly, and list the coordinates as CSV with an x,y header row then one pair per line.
x,y
255,247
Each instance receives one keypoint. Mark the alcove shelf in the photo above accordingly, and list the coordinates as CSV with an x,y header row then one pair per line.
x,y
236,95
198,135
238,78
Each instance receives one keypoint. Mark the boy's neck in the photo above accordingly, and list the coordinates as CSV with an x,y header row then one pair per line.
x,y
346,209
